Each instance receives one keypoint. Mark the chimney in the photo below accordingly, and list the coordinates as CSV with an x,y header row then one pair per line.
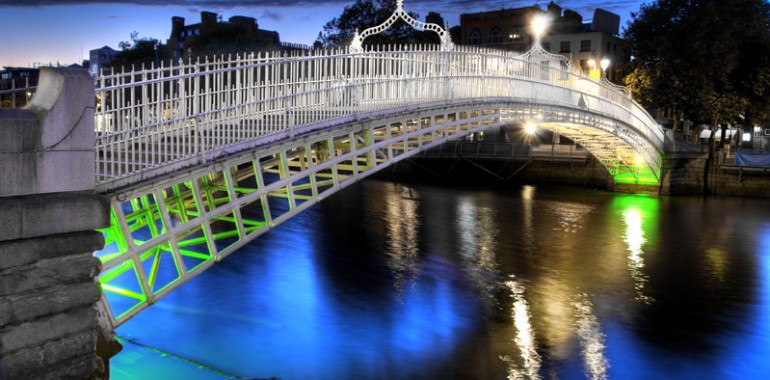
x,y
208,18
177,25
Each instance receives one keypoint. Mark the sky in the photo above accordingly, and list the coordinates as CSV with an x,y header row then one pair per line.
x,y
42,32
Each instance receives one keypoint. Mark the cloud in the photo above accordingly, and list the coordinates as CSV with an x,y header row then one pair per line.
x,y
449,7
271,15
177,3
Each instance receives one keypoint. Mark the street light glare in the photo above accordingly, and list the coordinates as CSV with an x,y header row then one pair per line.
x,y
605,63
540,23
529,128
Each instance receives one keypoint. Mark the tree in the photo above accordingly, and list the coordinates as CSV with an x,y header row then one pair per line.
x,y
365,14
140,51
708,59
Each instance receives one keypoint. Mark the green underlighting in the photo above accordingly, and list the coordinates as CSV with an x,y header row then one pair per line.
x,y
639,176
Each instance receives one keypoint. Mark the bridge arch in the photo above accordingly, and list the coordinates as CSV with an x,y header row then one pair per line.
x,y
168,230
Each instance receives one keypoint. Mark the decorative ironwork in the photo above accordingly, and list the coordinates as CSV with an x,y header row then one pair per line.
x,y
356,46
536,53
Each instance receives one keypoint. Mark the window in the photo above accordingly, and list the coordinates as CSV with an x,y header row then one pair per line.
x,y
495,37
516,35
585,45
565,47
547,46
474,37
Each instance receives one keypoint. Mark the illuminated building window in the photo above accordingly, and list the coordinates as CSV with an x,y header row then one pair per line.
x,y
516,35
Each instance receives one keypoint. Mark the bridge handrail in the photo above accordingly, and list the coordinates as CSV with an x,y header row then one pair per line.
x,y
195,108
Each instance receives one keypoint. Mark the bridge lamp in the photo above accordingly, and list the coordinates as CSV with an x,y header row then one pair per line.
x,y
539,24
605,63
530,129
639,160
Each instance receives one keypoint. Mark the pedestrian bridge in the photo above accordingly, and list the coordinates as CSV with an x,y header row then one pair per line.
x,y
201,158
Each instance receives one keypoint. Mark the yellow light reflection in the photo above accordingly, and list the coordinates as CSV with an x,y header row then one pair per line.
x,y
478,233
402,223
717,261
635,240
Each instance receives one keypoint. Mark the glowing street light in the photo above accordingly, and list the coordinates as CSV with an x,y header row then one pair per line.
x,y
540,23
530,129
605,63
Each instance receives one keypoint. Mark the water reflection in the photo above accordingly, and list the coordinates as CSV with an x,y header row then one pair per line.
x,y
637,210
591,339
402,225
529,366
634,238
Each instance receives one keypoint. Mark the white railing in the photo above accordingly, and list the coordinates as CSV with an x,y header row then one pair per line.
x,y
151,117
17,96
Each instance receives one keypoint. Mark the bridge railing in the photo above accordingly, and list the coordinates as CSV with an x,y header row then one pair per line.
x,y
16,97
150,118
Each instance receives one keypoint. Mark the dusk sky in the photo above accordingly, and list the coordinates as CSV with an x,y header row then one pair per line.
x,y
63,31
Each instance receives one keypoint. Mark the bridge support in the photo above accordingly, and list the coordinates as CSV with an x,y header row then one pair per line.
x,y
48,215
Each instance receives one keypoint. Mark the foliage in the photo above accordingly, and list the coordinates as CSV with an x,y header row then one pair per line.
x,y
710,59
140,51
364,14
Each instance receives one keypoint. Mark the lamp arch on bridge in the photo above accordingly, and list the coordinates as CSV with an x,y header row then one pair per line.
x,y
356,46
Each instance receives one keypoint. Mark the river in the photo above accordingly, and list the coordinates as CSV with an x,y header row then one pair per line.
x,y
391,280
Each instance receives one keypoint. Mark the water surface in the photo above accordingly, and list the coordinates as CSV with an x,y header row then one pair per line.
x,y
404,281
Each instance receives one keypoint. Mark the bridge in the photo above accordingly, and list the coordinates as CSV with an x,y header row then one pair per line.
x,y
200,158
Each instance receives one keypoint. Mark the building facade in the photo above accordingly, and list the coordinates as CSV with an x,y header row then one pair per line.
x,y
585,44
101,59
214,36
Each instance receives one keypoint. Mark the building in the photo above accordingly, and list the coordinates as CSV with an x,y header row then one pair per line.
x,y
214,36
586,44
17,85
506,29
101,59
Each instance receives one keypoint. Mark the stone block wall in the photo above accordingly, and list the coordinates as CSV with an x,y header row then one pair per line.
x,y
49,214
685,173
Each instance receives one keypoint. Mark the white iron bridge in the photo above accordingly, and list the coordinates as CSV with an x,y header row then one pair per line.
x,y
201,158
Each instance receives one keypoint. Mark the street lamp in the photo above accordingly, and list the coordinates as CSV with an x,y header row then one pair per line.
x,y
540,23
530,128
605,63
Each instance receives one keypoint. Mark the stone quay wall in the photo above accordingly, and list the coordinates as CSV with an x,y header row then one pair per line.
x,y
48,216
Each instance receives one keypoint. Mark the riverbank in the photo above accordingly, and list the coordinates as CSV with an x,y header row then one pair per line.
x,y
685,172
